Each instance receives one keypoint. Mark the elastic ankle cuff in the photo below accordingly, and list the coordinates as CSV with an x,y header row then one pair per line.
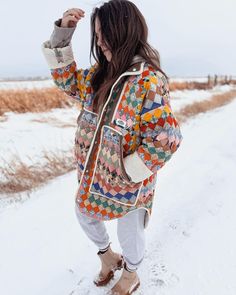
x,y
128,269
104,250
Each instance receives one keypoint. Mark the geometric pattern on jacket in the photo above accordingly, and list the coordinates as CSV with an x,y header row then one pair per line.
x,y
119,152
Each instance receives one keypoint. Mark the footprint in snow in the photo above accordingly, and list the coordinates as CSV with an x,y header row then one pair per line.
x,y
214,211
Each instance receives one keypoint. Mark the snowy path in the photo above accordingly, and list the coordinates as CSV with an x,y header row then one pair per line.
x,y
190,238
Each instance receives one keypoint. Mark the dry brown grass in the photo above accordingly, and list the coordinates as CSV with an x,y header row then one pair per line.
x,y
19,177
36,100
196,85
215,101
189,86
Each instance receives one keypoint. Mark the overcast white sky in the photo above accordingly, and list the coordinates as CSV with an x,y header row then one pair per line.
x,y
194,37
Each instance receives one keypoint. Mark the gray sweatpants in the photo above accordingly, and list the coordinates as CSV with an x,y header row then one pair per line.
x,y
130,231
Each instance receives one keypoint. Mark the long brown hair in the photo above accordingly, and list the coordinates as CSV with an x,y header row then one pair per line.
x,y
125,32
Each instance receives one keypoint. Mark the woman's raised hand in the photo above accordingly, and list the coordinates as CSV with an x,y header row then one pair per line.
x,y
71,17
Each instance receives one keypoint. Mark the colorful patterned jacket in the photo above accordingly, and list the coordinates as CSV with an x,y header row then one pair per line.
x,y
118,153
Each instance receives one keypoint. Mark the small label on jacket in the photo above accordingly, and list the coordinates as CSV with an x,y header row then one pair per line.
x,y
121,123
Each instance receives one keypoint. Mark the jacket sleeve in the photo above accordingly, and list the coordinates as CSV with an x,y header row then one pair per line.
x,y
60,36
74,82
159,130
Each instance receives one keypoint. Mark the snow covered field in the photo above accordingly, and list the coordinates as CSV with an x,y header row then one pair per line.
x,y
190,238
28,135
5,85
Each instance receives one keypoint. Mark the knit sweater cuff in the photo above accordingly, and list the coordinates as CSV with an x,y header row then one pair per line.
x,y
57,57
136,168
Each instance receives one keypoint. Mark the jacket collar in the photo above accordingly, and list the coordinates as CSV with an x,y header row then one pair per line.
x,y
136,66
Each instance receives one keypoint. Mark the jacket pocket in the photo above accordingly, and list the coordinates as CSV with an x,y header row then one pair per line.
x,y
87,123
110,178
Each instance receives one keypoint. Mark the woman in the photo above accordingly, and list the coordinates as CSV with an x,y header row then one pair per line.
x,y
126,130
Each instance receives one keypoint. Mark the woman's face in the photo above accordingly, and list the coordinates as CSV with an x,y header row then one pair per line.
x,y
100,41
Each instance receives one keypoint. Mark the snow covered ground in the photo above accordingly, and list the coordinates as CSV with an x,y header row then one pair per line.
x,y
190,238
28,135
181,98
6,85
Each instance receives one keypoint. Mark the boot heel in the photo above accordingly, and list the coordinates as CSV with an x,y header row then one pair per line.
x,y
105,281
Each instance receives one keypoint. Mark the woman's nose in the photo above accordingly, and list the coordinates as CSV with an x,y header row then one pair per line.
x,y
99,42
